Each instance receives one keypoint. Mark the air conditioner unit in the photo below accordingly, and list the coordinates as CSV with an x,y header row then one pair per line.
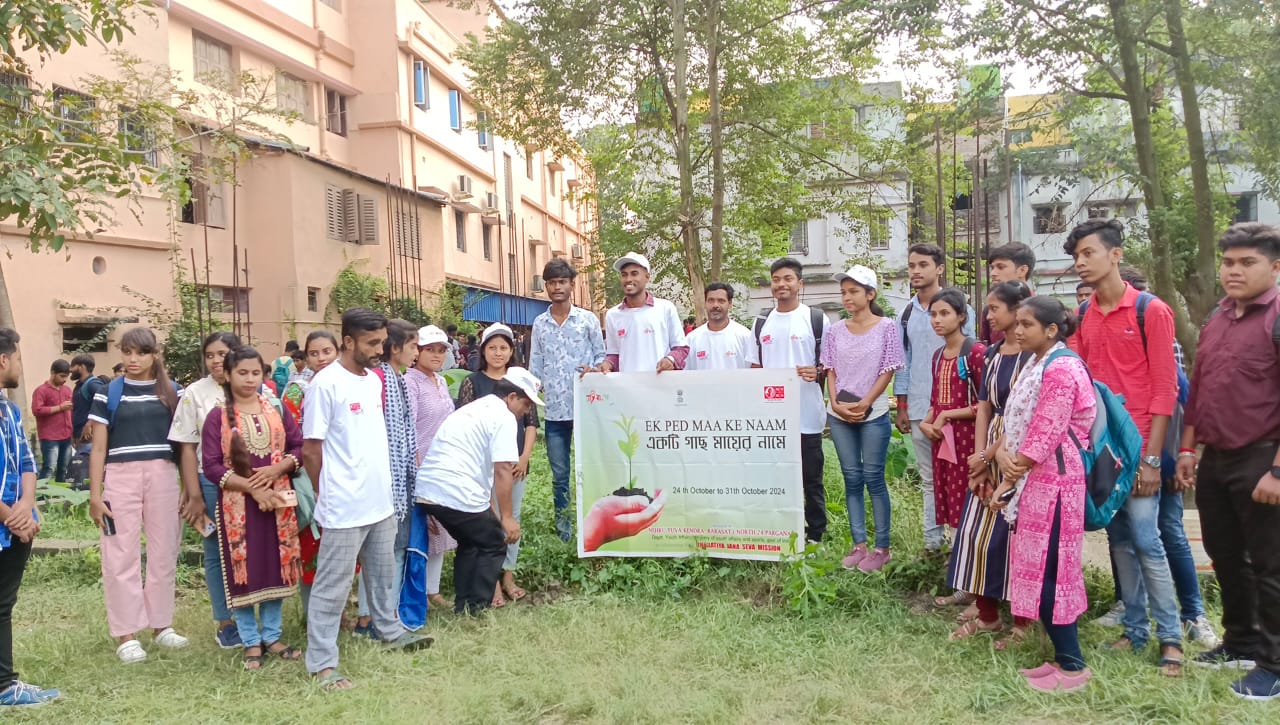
x,y
490,203
578,252
537,285
464,187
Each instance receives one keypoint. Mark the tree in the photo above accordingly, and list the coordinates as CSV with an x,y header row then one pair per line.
x,y
731,120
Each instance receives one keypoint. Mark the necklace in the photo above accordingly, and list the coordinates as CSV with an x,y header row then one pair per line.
x,y
255,434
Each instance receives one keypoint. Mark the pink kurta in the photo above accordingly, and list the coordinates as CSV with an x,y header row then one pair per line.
x,y
1066,401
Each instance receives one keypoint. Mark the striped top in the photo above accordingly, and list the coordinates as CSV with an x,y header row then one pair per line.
x,y
141,428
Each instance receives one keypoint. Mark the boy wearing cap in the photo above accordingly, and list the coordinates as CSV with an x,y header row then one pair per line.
x,y
470,466
722,343
643,332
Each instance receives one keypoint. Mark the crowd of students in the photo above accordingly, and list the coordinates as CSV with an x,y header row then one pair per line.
x,y
404,474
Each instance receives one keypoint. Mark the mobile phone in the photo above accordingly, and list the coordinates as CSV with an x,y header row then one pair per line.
x,y
844,396
288,498
1007,496
207,527
108,523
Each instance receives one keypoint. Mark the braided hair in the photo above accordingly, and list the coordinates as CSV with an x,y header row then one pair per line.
x,y
241,462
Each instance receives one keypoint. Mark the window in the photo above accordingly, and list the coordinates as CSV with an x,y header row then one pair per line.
x,y
1246,208
1019,136
228,299
421,84
408,238
350,217
335,4
455,110
335,112
818,129
551,183
878,228
1099,211
206,205
528,163
800,238
75,110
313,299
137,141
460,229
482,130
84,338
486,232
1050,218
17,87
212,60
293,94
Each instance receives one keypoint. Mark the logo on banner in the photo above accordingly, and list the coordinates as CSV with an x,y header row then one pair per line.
x,y
594,397
680,397
775,392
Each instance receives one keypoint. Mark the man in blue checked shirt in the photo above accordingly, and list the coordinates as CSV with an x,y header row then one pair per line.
x,y
18,525
566,343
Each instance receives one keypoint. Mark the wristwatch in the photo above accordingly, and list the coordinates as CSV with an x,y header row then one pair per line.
x,y
1275,471
1153,461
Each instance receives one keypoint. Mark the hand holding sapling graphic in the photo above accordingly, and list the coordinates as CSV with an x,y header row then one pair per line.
x,y
617,517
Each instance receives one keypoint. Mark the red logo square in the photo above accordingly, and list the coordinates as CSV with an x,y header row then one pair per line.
x,y
355,408
775,392
702,354
622,332
767,339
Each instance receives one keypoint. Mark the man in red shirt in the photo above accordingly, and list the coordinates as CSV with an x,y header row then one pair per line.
x,y
1136,362
1234,411
51,405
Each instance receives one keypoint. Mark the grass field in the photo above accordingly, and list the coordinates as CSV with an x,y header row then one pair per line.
x,y
617,641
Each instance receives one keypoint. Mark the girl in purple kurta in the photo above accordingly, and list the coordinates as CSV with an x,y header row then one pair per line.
x,y
1041,467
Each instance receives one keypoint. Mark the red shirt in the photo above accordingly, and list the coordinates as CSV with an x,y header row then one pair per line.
x,y
51,423
1111,345
1235,388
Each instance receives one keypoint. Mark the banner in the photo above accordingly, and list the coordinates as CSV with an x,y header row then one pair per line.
x,y
675,463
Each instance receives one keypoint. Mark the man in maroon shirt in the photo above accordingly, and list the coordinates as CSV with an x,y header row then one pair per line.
x,y
51,405
1138,363
1234,411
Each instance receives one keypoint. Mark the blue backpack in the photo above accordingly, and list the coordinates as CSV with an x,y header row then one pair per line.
x,y
115,391
1110,456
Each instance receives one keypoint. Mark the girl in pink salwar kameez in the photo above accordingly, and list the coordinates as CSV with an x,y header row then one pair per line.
x,y
1043,471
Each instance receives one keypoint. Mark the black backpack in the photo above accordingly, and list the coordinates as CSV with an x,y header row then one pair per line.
x,y
816,321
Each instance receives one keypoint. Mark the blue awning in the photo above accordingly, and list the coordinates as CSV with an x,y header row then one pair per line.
x,y
486,306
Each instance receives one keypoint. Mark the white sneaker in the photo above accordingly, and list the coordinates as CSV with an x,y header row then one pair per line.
x,y
1201,631
1113,616
131,652
171,639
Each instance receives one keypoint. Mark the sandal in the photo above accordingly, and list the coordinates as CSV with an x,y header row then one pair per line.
x,y
253,662
968,614
954,599
284,651
437,600
333,682
1169,665
972,627
1016,635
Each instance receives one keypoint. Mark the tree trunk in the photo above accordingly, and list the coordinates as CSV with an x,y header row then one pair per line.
x,y
1201,287
684,162
19,394
1152,184
717,140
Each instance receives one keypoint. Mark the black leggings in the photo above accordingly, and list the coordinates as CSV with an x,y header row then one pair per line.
x,y
1065,637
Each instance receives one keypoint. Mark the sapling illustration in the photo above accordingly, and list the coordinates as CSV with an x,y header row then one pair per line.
x,y
629,445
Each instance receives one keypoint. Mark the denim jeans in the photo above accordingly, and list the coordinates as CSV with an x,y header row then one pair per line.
x,y
924,464
213,557
862,448
54,456
559,438
1139,555
1182,564
266,628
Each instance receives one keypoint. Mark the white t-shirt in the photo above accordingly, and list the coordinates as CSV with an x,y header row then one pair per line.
x,y
642,336
345,411
786,341
194,407
457,471
732,348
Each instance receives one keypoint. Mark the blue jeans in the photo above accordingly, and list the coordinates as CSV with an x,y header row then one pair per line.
x,y
862,448
213,557
559,438
54,456
1140,560
1182,564
266,628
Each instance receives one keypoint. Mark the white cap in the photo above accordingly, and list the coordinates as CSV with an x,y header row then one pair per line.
x,y
525,380
496,328
632,258
431,334
862,275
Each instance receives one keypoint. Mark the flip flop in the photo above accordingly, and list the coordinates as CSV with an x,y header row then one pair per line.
x,y
332,682
253,662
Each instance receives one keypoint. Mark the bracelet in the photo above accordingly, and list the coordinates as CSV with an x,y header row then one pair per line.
x,y
1186,450
222,482
297,465
1184,453
983,456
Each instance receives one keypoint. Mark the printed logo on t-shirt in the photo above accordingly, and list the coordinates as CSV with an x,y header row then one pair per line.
x,y
702,354
622,332
648,330
775,392
766,339
356,408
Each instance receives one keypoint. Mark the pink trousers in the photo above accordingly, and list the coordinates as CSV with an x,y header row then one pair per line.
x,y
144,499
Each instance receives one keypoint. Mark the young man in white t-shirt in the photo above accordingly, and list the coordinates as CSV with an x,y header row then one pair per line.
x,y
788,338
643,333
468,468
722,343
345,454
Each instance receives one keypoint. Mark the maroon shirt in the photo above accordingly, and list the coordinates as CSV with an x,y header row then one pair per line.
x,y
1235,388
52,424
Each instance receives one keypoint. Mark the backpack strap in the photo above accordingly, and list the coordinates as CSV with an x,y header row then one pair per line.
x,y
902,320
115,391
1144,299
962,362
1275,335
816,320
756,328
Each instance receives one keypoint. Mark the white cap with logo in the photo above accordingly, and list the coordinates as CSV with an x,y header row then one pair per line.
x,y
431,334
495,329
526,381
632,258
862,275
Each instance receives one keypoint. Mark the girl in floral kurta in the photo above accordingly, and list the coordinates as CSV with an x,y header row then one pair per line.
x,y
956,380
1048,404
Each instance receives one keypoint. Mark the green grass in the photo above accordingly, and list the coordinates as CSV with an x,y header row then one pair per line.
x,y
615,641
